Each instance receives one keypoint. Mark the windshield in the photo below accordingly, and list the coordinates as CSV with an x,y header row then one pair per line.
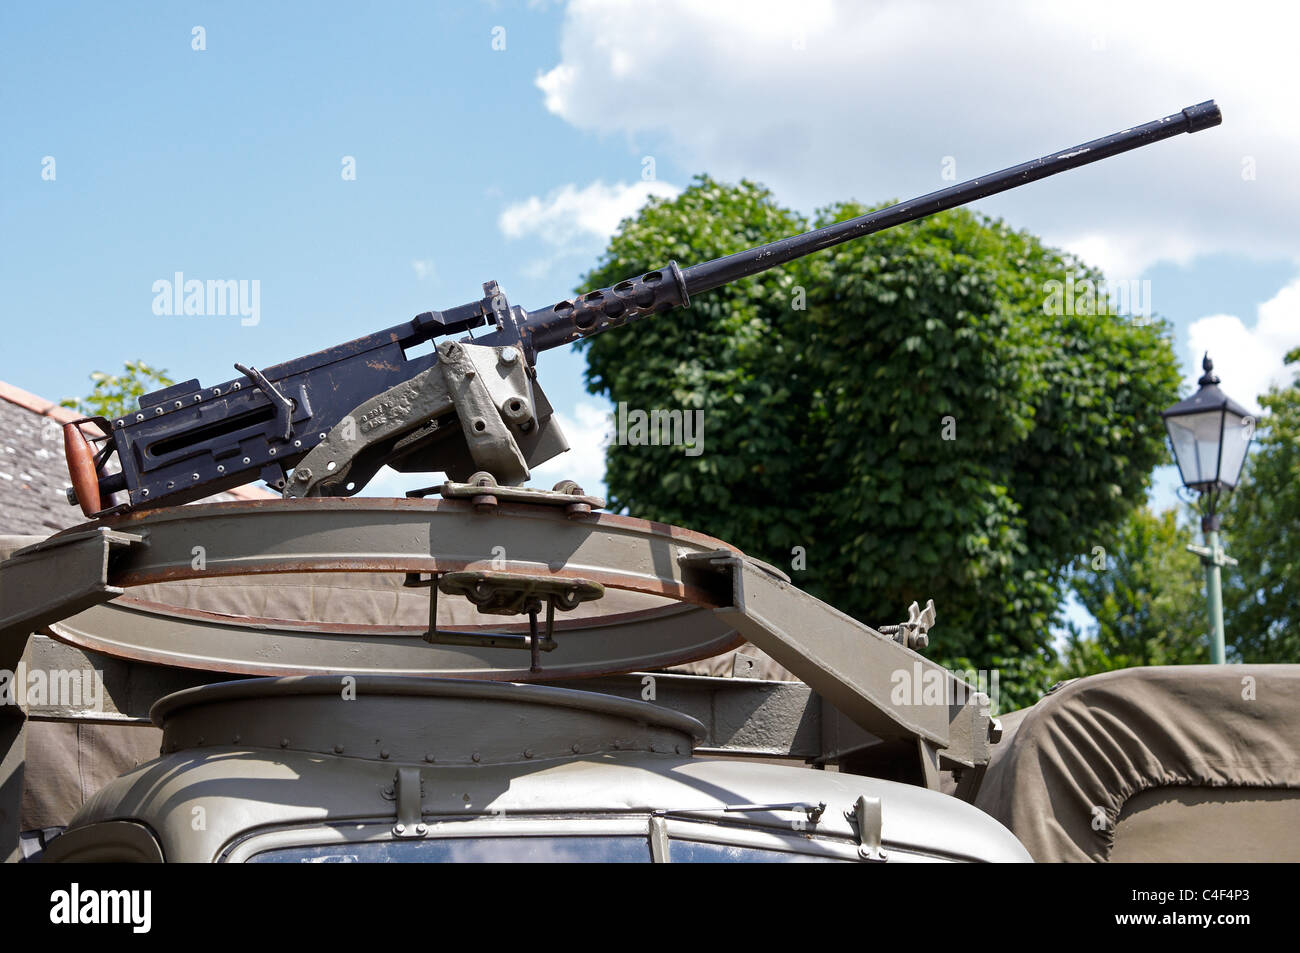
x,y
447,850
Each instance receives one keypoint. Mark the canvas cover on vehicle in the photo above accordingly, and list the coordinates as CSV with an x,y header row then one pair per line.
x,y
1193,762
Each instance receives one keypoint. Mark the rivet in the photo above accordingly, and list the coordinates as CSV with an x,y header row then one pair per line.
x,y
178,405
421,828
271,451
284,742
157,411
322,436
144,492
429,757
139,416
528,752
475,757
194,476
197,398
297,443
574,747
677,749
383,753
247,460
399,828
235,740
237,385
338,749
221,468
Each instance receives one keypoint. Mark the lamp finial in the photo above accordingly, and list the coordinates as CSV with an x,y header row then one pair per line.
x,y
1209,377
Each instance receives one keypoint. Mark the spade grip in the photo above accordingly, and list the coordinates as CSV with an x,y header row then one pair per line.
x,y
81,469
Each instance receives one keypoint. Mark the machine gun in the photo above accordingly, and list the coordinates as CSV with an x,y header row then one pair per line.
x,y
323,425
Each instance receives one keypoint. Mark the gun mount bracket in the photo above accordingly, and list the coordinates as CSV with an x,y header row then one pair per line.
x,y
681,596
477,409
853,666
506,593
485,493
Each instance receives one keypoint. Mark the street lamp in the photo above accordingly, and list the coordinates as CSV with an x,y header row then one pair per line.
x,y
1210,434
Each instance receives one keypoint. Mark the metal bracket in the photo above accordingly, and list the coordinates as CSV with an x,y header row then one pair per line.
x,y
484,423
915,632
58,577
928,754
485,493
743,666
407,790
868,821
341,458
486,391
1212,556
853,666
506,593
659,851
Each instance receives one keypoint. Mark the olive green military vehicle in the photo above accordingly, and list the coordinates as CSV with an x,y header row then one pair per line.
x,y
492,675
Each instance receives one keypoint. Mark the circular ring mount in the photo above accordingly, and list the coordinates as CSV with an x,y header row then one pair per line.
x,y
315,586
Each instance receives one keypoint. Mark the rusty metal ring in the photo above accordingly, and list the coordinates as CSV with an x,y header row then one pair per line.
x,y
373,535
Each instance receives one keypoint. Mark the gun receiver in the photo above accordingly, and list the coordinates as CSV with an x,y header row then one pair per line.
x,y
335,417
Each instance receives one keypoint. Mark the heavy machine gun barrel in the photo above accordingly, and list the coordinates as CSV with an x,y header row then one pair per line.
x,y
672,287
721,271
473,407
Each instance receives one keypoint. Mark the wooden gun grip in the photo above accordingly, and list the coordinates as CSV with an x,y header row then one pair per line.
x,y
81,468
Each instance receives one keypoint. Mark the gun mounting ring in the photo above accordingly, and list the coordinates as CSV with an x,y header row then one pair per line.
x,y
685,596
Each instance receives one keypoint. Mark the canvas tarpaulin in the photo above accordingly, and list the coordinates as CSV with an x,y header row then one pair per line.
x,y
1066,767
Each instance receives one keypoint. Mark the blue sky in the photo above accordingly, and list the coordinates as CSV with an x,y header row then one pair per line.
x,y
477,162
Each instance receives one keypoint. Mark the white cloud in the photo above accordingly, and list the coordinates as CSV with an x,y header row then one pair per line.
x,y
423,268
825,100
1123,257
573,220
588,432
1249,360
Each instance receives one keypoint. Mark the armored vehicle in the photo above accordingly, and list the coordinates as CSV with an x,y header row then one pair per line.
x,y
343,678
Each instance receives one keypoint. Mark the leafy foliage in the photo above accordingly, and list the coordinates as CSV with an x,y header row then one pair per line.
x,y
825,427
112,395
1262,524
1147,597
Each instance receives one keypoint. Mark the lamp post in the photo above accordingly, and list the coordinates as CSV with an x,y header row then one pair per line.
x,y
1210,434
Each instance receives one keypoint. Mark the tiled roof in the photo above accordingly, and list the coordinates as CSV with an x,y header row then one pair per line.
x,y
33,474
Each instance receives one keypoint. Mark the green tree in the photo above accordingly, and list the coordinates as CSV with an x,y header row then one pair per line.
x,y
1262,525
1147,597
112,395
901,411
